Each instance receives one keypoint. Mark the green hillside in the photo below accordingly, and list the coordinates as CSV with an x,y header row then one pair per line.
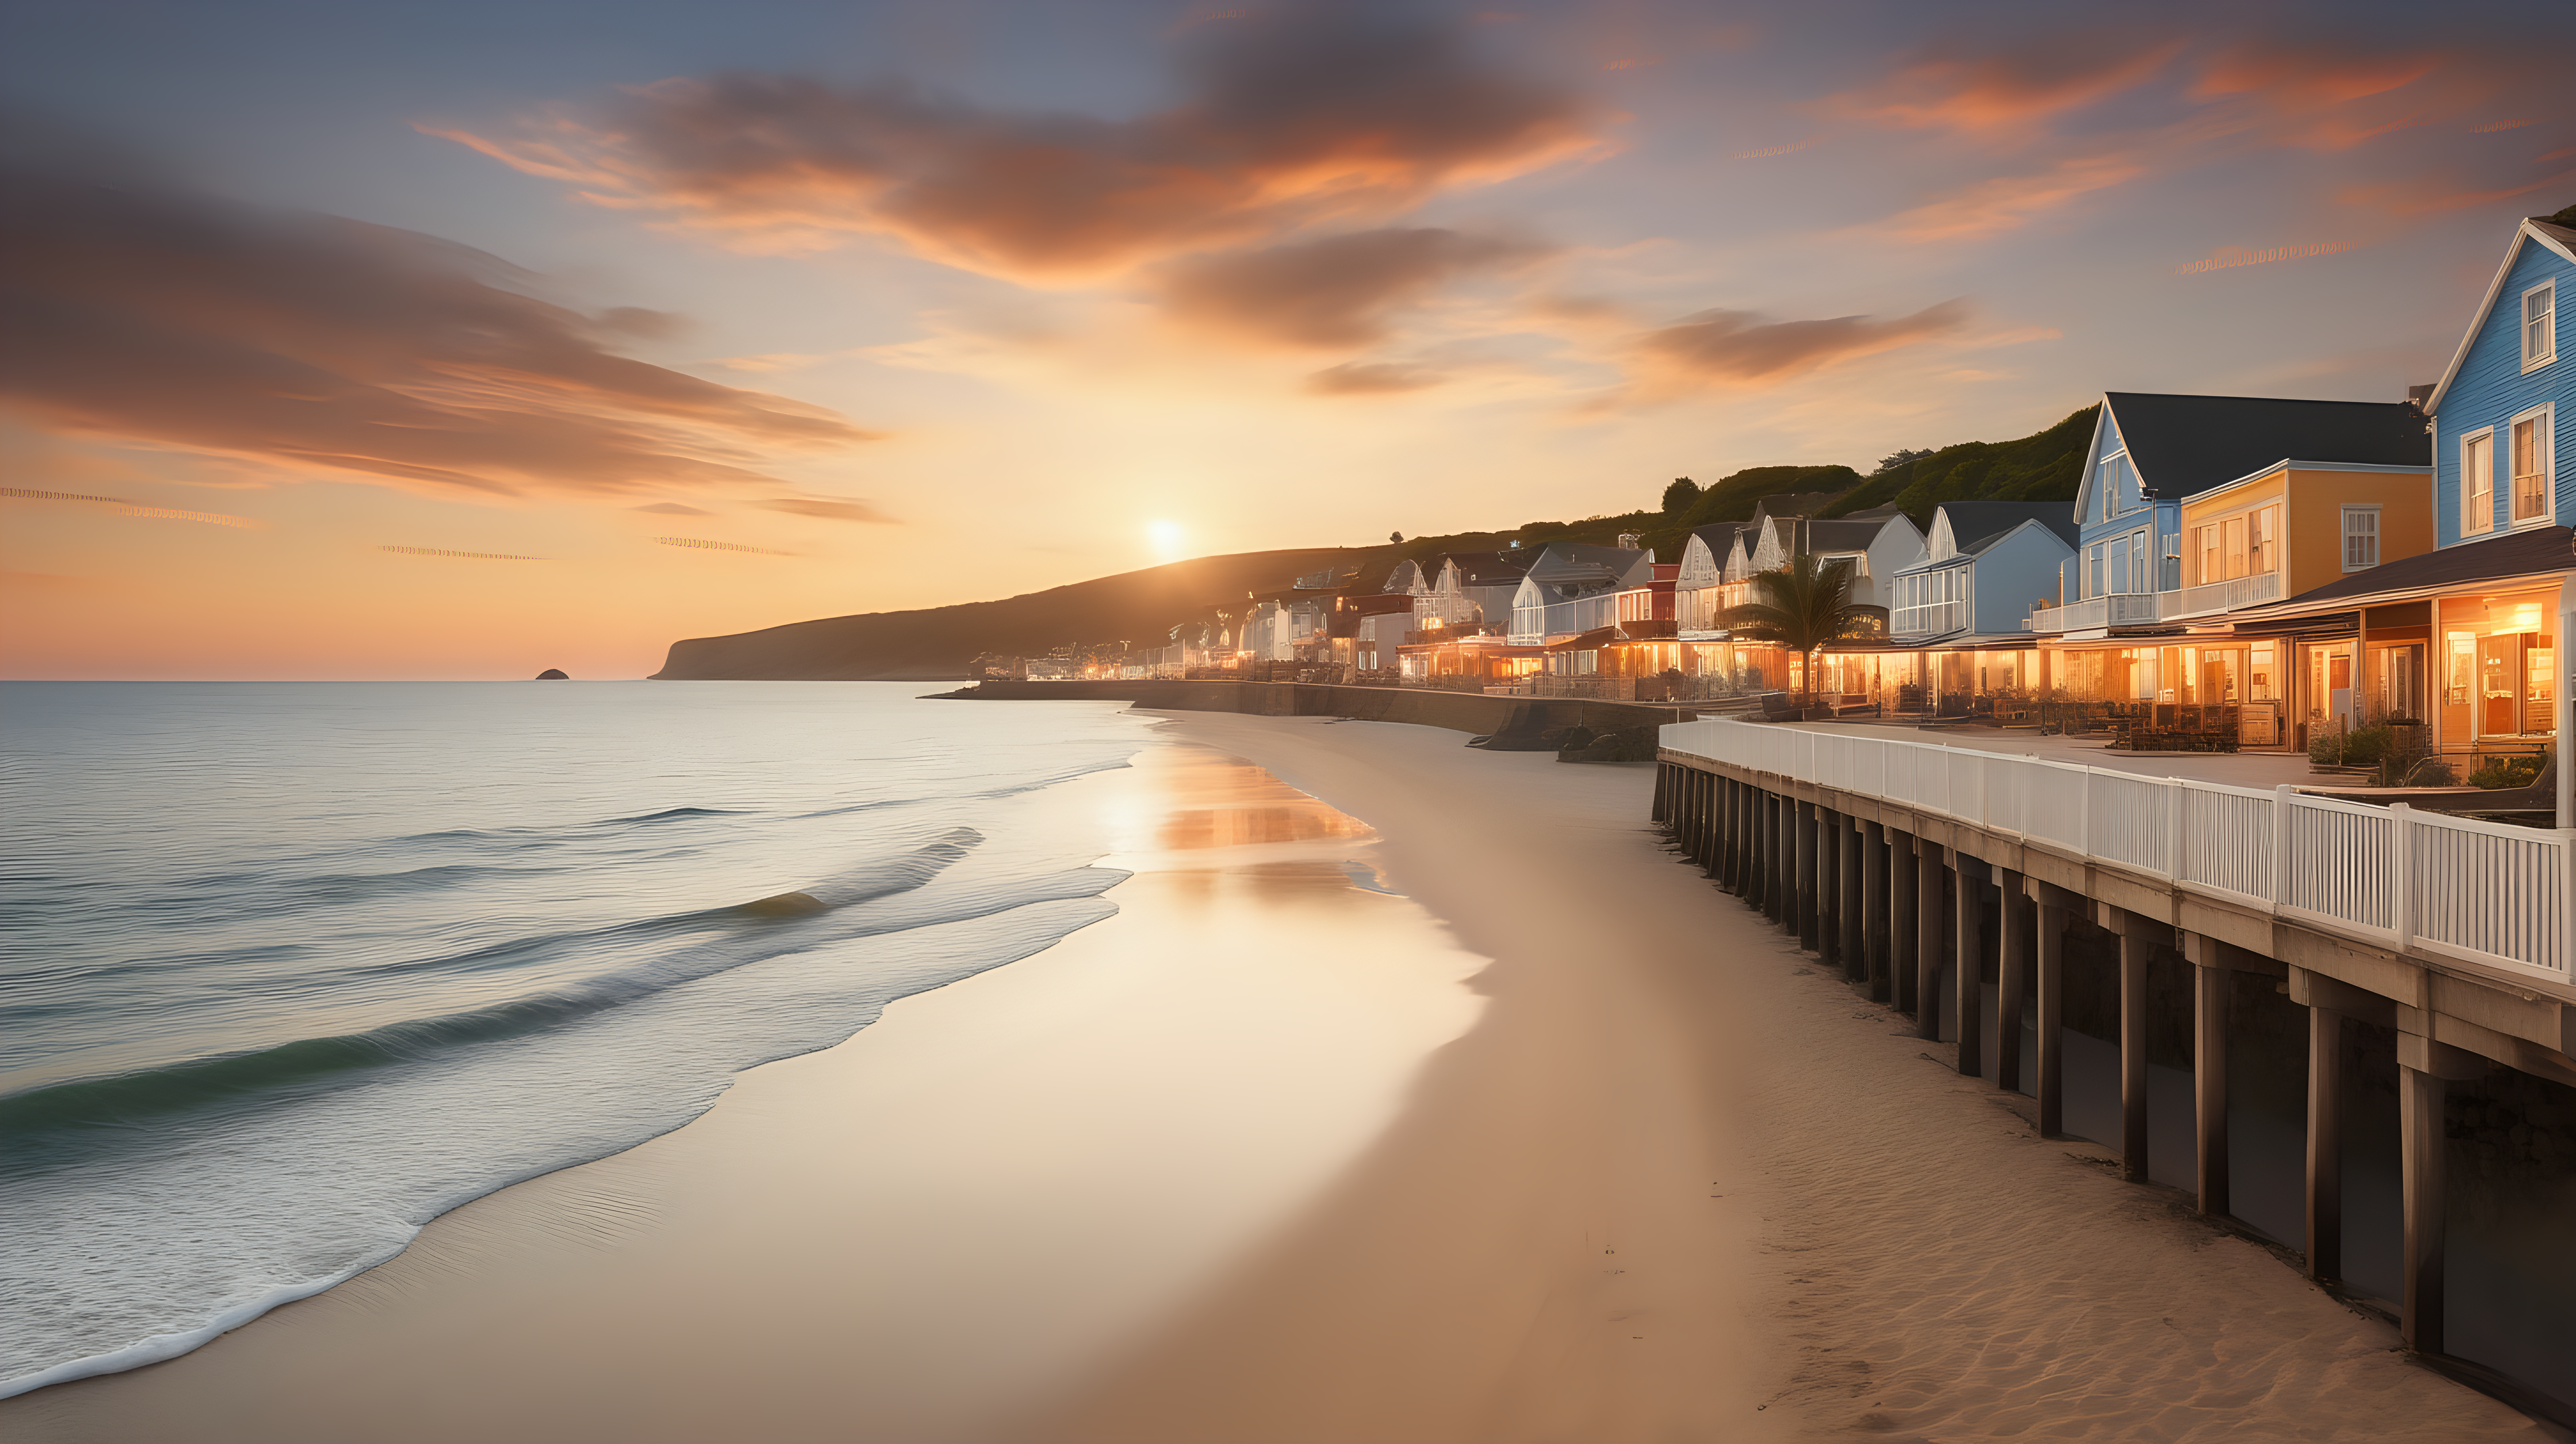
x,y
2044,467
1139,607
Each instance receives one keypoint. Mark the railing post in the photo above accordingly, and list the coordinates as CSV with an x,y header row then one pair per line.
x,y
2281,846
2401,867
2174,805
2565,962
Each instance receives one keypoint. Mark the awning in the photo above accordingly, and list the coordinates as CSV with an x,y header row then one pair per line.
x,y
1585,642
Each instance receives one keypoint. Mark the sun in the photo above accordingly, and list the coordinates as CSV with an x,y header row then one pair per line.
x,y
1166,537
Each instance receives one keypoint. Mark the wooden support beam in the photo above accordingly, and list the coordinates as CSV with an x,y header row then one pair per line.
x,y
2425,1068
1970,877
1901,903
1777,829
2012,979
1803,907
2325,1144
2133,1055
2209,1003
2420,1096
2052,1017
1929,876
1873,908
1851,881
1830,829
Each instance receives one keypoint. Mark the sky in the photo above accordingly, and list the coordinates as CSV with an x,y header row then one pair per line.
x,y
461,341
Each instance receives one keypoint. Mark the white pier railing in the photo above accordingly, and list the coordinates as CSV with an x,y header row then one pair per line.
x,y
2479,892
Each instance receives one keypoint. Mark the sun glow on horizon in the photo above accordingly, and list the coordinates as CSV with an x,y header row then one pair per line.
x,y
1167,539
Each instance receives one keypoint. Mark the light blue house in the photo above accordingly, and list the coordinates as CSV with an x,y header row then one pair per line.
x,y
2501,462
1984,564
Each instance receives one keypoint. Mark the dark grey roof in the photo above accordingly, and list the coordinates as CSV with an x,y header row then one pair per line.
x,y
2564,235
2541,551
1975,525
1720,536
1491,569
2186,444
1844,534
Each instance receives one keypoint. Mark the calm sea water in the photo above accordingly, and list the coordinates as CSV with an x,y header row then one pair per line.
x,y
287,970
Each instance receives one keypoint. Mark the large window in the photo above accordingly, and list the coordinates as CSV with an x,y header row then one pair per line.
x,y
2111,481
2477,483
2540,325
2360,538
2529,449
2263,546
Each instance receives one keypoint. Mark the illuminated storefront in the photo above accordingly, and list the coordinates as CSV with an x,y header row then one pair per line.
x,y
2499,667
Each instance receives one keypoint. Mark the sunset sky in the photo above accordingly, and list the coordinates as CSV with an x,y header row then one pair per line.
x,y
361,340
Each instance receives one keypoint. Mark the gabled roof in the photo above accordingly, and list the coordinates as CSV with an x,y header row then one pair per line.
x,y
1976,525
2539,552
2548,233
1582,564
2180,445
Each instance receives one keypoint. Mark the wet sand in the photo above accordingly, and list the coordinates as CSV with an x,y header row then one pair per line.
x,y
1562,1144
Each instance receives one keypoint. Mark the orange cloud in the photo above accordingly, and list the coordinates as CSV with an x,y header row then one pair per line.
x,y
1372,378
1293,115
322,344
2012,90
1332,292
2004,203
2434,195
1736,348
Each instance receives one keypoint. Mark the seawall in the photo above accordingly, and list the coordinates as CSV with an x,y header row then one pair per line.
x,y
1469,712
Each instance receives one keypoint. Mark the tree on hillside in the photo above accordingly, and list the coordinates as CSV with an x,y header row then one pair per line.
x,y
1679,496
1395,538
1902,456
1801,605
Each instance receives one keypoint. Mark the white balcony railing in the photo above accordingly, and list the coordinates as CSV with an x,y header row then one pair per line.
x,y
2120,609
2139,609
2484,893
2211,598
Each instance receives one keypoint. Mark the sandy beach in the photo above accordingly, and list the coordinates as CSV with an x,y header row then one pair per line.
x,y
1414,1094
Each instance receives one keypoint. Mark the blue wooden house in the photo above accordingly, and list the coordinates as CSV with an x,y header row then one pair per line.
x,y
2154,455
2501,462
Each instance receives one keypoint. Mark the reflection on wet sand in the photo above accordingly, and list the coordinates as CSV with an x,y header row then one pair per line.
x,y
916,1233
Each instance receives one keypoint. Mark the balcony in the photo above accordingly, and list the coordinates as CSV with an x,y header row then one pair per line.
x,y
2120,609
2212,598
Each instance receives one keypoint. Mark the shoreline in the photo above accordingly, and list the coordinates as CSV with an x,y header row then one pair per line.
x,y
1632,1169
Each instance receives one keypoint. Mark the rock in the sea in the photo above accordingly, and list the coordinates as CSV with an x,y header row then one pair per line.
x,y
553,674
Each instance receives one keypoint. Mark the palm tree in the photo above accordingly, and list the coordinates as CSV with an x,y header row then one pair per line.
x,y
1802,605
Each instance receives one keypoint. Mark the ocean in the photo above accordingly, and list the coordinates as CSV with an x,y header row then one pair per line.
x,y
289,969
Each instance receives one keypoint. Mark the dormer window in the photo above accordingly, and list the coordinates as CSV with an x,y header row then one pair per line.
x,y
2540,325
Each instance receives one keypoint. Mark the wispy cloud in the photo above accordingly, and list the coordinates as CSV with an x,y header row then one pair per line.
x,y
671,508
316,344
1738,348
1293,114
1371,378
1332,292
828,508
2008,202
2012,91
